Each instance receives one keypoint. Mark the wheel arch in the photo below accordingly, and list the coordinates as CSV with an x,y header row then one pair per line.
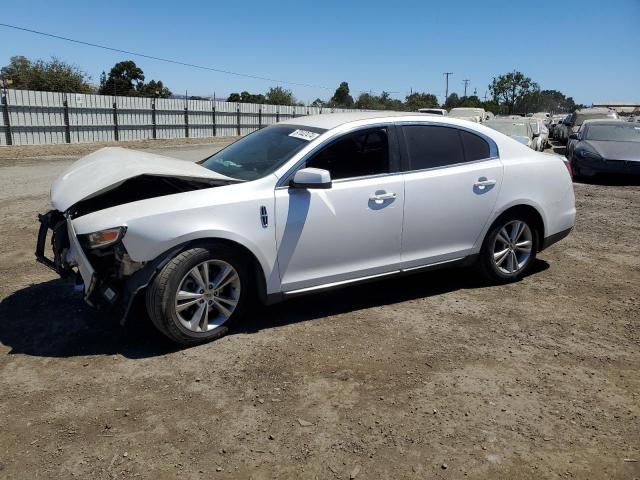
x,y
530,211
141,279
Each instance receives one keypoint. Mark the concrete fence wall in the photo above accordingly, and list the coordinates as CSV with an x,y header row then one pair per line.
x,y
41,118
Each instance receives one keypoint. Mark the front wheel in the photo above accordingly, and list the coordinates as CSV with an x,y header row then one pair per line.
x,y
199,294
509,249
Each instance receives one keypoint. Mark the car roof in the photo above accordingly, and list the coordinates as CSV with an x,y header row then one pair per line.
x,y
587,111
613,121
330,121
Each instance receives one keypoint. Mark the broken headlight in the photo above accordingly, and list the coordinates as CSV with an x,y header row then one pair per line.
x,y
102,238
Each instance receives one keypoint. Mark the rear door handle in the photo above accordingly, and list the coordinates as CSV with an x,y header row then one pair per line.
x,y
381,197
484,183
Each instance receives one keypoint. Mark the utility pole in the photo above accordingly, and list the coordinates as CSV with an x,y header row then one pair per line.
x,y
475,92
446,95
466,82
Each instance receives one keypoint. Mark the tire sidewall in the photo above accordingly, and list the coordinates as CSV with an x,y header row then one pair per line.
x,y
488,263
172,322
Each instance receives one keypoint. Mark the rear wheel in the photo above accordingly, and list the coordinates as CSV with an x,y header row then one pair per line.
x,y
198,295
509,249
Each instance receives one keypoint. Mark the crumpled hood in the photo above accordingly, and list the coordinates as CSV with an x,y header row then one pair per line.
x,y
108,167
615,150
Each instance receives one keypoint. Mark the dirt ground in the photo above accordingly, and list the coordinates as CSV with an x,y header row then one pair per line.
x,y
432,376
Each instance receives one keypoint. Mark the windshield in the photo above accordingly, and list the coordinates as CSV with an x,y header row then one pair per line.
x,y
261,152
511,129
614,133
580,117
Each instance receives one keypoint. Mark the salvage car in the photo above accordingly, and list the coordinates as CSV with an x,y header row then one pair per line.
x,y
434,111
541,133
477,115
520,130
309,204
572,123
605,146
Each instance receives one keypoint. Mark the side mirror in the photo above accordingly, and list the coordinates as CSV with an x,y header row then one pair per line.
x,y
311,178
574,136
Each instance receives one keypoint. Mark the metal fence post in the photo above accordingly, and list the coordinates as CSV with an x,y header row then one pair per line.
x,y
7,122
186,118
277,114
154,134
116,135
238,119
215,128
260,117
67,127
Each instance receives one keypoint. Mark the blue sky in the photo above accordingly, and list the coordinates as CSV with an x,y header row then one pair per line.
x,y
588,49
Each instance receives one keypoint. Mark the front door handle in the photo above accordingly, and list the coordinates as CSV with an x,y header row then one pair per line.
x,y
381,197
483,182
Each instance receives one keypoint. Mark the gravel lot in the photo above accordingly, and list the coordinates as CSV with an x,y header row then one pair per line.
x,y
432,376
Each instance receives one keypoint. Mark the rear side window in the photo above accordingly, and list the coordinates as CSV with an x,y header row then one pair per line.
x,y
475,147
432,146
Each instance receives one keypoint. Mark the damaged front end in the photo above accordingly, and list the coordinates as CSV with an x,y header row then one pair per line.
x,y
107,178
102,272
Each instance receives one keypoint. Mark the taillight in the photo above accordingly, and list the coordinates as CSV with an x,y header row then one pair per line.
x,y
567,164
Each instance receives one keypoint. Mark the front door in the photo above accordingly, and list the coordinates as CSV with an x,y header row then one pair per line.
x,y
350,231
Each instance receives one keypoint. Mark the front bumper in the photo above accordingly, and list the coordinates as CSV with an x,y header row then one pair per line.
x,y
67,252
590,166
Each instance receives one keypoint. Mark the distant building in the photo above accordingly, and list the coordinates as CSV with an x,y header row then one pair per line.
x,y
620,107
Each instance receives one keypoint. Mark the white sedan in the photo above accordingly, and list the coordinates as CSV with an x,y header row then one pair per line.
x,y
306,205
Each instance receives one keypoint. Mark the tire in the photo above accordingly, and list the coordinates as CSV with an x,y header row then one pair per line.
x,y
204,311
504,269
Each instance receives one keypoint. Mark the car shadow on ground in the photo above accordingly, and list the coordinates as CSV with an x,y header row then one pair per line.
x,y
50,320
610,179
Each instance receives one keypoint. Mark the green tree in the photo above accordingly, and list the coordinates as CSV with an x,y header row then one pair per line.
x,y
157,90
511,87
53,75
452,101
246,97
419,100
341,98
279,96
125,78
471,101
318,103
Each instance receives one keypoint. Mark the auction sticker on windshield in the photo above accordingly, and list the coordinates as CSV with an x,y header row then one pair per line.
x,y
304,135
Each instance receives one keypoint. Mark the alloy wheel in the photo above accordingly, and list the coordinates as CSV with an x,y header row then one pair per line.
x,y
207,296
512,247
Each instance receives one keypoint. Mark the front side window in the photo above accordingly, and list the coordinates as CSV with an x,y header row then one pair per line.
x,y
357,154
261,152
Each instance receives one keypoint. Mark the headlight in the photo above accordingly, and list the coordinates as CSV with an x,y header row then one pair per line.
x,y
103,238
588,154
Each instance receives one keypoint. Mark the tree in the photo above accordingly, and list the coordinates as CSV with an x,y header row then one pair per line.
x,y
49,76
452,101
546,101
511,87
317,103
125,78
341,97
246,97
471,101
418,100
157,90
279,96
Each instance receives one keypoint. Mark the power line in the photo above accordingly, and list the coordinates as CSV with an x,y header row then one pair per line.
x,y
161,59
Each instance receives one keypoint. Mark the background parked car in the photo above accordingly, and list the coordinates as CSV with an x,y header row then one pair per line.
x,y
477,115
573,122
434,111
606,146
542,139
518,130
554,125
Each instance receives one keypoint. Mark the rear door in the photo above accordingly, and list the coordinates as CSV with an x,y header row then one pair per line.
x,y
452,179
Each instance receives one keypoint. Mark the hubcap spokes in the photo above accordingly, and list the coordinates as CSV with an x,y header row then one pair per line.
x,y
207,295
512,247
